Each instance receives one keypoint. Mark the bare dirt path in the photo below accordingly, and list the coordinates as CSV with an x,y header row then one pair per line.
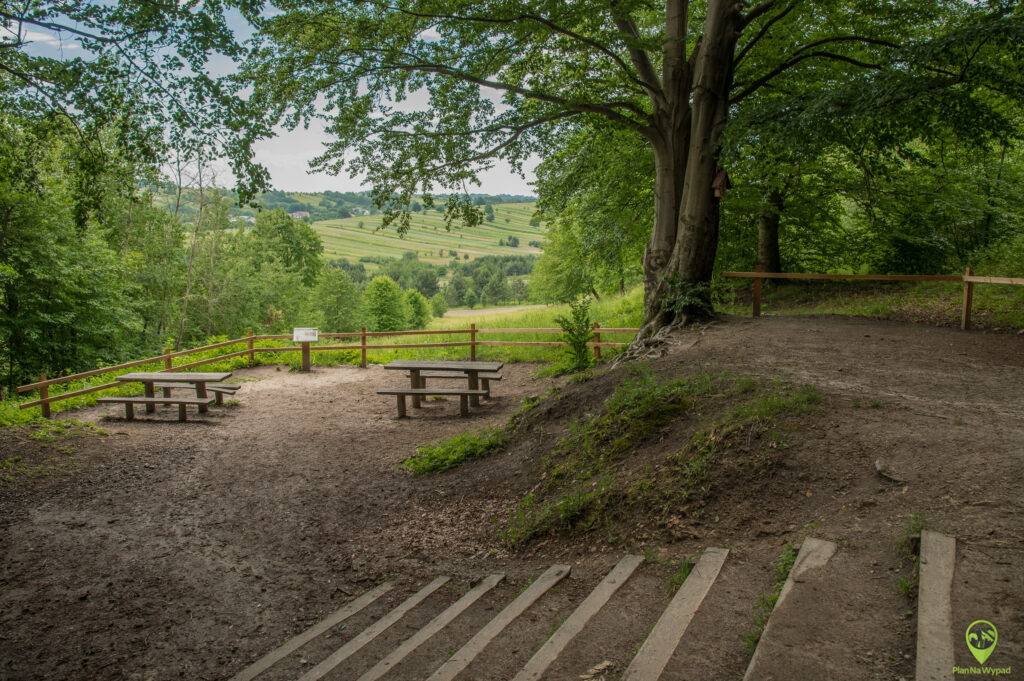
x,y
188,550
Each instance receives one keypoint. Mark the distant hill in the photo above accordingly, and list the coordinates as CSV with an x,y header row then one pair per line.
x,y
312,206
356,237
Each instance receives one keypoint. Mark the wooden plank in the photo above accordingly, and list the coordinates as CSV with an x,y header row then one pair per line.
x,y
434,626
814,276
406,364
468,652
934,608
174,377
296,642
1013,281
373,631
663,640
965,313
73,393
814,553
156,400
429,391
572,626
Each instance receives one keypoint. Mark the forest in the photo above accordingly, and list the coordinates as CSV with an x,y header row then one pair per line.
x,y
673,143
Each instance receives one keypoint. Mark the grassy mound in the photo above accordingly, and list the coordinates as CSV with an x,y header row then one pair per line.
x,y
623,462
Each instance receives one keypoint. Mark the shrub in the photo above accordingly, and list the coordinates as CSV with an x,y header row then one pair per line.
x,y
419,309
439,304
577,331
384,306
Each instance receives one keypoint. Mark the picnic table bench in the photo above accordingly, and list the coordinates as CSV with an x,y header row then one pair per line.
x,y
419,370
198,381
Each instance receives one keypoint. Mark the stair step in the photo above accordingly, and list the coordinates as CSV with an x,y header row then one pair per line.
x,y
935,607
465,655
372,632
434,626
296,642
657,649
572,626
814,554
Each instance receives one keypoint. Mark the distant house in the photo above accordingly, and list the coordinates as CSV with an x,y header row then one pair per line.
x,y
248,218
300,214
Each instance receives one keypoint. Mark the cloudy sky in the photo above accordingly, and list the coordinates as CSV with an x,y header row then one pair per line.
x,y
287,155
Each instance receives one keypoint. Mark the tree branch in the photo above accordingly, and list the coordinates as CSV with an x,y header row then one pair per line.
x,y
749,45
641,60
794,61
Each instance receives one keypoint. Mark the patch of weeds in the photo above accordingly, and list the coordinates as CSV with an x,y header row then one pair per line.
x,y
638,408
445,454
766,603
14,467
677,578
910,548
57,430
232,403
578,509
875,404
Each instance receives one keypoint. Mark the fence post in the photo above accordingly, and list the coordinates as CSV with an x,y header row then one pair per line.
x,y
965,317
44,395
362,346
472,342
757,293
249,346
305,355
597,342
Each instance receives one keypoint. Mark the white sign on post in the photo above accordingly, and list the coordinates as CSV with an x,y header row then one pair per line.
x,y
301,335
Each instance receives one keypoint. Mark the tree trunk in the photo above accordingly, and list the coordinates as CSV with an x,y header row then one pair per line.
x,y
682,292
768,256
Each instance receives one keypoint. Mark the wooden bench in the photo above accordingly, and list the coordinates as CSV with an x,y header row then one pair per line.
x,y
130,402
464,395
485,378
218,389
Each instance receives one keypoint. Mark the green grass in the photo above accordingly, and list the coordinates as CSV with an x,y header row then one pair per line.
x,y
910,550
680,574
763,609
996,307
428,238
440,456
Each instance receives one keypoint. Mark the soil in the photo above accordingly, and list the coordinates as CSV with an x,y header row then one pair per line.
x,y
169,550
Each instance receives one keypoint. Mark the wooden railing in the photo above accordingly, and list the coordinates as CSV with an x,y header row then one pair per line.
x,y
968,279
306,349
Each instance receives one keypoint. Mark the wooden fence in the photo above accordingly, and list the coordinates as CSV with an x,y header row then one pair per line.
x,y
968,279
307,349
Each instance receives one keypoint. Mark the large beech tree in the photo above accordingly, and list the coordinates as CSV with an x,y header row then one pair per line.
x,y
499,77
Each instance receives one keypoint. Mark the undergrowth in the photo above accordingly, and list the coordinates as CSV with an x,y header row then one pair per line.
x,y
766,603
446,454
587,481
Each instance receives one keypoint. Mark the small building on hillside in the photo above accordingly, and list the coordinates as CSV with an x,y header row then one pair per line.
x,y
300,214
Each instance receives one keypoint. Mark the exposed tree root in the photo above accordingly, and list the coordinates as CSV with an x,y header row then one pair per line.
x,y
657,344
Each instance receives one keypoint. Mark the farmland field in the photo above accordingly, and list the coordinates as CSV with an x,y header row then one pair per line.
x,y
427,236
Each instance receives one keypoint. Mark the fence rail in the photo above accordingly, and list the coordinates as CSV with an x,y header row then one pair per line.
x,y
306,349
968,279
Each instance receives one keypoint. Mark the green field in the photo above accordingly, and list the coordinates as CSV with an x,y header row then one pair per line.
x,y
428,238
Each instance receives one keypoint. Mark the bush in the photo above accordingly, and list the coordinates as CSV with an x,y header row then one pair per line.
x,y
439,304
419,309
384,306
577,331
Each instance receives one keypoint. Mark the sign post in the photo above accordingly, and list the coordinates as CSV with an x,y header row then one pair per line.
x,y
305,336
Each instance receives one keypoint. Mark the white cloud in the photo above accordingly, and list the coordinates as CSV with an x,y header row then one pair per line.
x,y
50,39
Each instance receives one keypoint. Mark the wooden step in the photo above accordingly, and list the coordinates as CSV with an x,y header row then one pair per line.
x,y
434,626
935,657
468,652
814,554
572,626
372,632
661,643
296,642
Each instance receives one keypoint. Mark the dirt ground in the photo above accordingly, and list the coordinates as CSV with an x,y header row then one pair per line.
x,y
168,550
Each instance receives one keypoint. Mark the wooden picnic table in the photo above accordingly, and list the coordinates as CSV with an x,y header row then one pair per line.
x,y
471,369
197,379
